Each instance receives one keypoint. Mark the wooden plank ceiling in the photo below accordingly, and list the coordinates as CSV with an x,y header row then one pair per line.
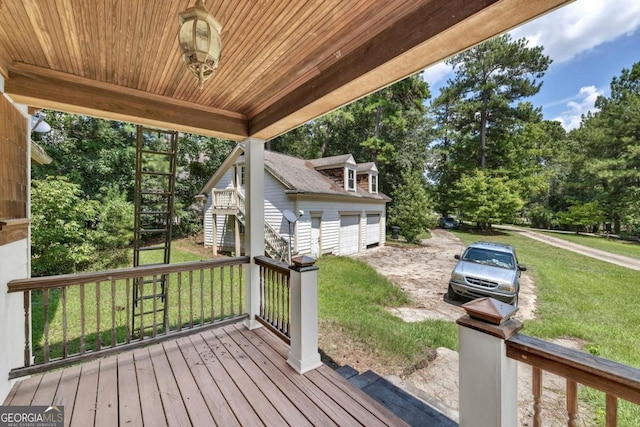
x,y
283,62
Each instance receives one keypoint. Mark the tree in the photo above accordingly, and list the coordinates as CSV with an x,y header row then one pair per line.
x,y
490,78
582,215
412,210
486,200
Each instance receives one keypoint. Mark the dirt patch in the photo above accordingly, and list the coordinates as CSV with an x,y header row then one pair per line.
x,y
423,272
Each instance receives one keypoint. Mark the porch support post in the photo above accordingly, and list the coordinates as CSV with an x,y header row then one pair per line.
x,y
488,379
254,225
214,234
303,350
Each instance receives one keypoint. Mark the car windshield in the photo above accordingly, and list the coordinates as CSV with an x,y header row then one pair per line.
x,y
489,257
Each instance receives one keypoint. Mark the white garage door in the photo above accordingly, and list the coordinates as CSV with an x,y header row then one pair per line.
x,y
373,229
349,230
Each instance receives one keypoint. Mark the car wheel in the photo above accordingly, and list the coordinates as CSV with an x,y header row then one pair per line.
x,y
451,295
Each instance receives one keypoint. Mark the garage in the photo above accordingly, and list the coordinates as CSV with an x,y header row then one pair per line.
x,y
349,234
373,229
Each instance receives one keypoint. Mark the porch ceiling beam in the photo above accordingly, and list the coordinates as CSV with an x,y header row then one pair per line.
x,y
432,32
46,88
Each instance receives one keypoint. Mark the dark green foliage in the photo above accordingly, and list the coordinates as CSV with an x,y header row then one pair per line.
x,y
412,210
71,232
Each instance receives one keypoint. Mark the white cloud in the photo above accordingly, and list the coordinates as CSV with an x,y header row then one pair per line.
x,y
578,106
436,74
580,26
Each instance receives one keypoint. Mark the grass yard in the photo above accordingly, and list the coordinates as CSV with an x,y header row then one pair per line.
x,y
580,297
615,246
354,296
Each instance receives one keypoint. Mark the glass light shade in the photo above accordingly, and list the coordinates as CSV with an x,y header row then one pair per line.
x,y
199,39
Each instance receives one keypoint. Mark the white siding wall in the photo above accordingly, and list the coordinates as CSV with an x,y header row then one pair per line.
x,y
275,202
330,223
14,264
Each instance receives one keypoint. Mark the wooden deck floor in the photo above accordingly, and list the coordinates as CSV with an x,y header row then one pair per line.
x,y
226,376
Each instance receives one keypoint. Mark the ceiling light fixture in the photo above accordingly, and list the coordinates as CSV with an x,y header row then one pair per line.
x,y
199,39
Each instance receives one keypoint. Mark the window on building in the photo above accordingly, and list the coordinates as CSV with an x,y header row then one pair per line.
x,y
374,184
351,180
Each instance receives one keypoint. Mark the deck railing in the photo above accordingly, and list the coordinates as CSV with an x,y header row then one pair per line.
x,y
275,296
225,199
617,381
88,315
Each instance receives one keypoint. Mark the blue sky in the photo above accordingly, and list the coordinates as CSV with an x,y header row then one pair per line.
x,y
589,41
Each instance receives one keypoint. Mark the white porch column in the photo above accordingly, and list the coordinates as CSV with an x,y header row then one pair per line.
x,y
303,349
254,224
488,379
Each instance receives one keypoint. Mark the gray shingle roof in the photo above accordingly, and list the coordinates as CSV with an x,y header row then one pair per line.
x,y
300,176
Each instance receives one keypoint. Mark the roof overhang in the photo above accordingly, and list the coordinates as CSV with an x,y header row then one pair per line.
x,y
283,63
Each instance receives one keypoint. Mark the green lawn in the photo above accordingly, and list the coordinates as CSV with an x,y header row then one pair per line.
x,y
580,297
615,246
354,296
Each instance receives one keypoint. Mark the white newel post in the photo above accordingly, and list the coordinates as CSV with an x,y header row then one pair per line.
x,y
488,379
254,230
303,350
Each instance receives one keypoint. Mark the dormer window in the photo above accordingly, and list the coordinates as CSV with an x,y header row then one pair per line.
x,y
373,186
351,180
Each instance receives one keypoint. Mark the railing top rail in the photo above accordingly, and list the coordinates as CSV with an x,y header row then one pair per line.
x,y
35,283
596,372
272,264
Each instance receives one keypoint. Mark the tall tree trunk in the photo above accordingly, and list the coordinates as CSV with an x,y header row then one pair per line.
x,y
483,134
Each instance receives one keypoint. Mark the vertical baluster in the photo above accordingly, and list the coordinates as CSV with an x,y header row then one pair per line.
x,y
213,293
269,300
262,272
128,309
45,305
240,289
83,339
141,306
155,305
536,379
179,301
191,299
612,411
201,297
165,307
279,302
26,306
98,337
232,306
572,403
272,299
222,293
113,313
288,294
65,338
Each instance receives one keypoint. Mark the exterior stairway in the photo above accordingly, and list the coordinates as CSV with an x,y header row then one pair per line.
x,y
403,404
275,246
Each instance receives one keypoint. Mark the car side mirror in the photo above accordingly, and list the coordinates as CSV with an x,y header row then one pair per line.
x,y
456,256
522,267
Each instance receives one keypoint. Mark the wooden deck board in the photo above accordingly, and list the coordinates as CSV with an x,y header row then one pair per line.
x,y
313,399
241,407
84,409
174,408
260,403
210,391
129,409
228,376
107,398
150,402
